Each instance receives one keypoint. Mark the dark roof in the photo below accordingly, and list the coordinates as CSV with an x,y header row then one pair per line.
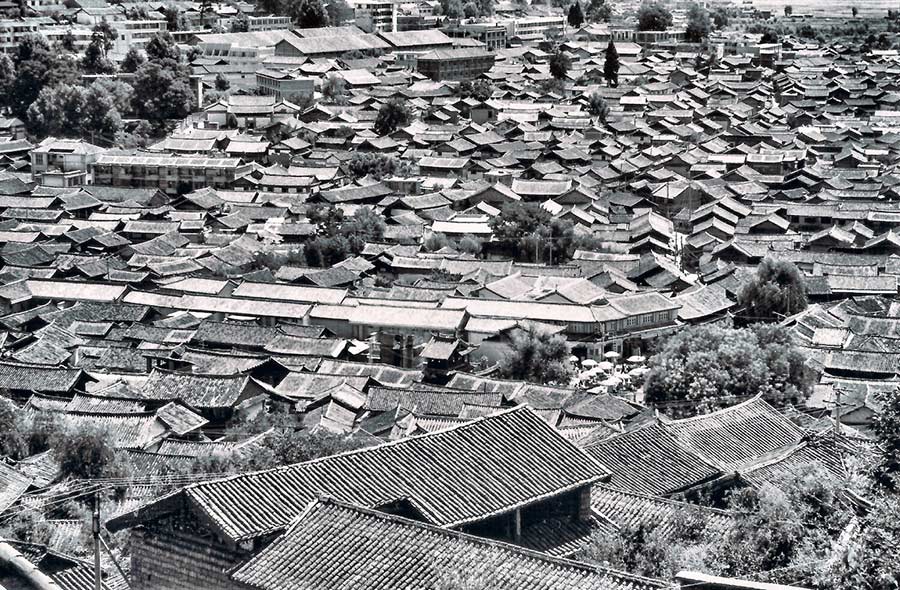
x,y
37,378
467,473
198,391
331,543
649,460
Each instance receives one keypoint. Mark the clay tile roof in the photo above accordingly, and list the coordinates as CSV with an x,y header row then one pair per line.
x,y
467,473
340,542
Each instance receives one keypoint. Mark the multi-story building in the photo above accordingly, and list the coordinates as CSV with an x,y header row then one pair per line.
x,y
455,64
284,84
243,53
534,28
79,36
13,30
494,36
46,6
381,14
64,162
268,23
135,33
171,174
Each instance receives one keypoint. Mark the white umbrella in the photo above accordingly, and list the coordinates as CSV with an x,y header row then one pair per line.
x,y
612,354
588,363
605,366
636,359
573,359
638,371
610,382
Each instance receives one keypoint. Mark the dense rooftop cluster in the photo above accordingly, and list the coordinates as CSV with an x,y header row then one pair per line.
x,y
416,302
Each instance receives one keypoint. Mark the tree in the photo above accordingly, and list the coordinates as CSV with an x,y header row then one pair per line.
x,y
854,11
597,106
452,8
95,60
87,453
769,36
611,65
37,66
175,19
653,16
435,241
698,25
470,245
337,11
392,115
377,166
222,83
7,79
309,14
470,9
363,226
121,92
788,10
162,47
575,16
12,443
162,91
105,34
720,17
334,89
886,426
599,11
702,364
870,560
240,23
133,60
528,231
777,290
479,89
560,63
537,357
70,110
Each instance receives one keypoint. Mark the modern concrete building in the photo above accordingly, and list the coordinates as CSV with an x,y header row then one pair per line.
x,y
284,84
64,162
493,35
171,174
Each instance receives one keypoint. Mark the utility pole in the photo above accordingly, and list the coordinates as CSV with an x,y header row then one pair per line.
x,y
837,413
95,527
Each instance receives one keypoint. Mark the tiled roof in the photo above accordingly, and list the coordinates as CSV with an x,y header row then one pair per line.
x,y
733,436
464,474
332,544
650,460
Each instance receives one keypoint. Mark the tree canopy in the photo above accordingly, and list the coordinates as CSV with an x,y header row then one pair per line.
x,y
575,17
392,115
611,65
560,64
538,357
653,16
708,364
777,290
698,25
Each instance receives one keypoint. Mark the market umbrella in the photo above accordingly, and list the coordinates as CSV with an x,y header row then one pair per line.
x,y
605,366
612,354
573,359
610,381
589,363
636,359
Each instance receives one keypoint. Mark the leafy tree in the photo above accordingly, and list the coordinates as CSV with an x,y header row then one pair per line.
x,y
575,16
337,11
161,48
720,17
470,9
854,11
777,290
769,36
597,106
95,60
334,89
87,453
653,16
698,25
470,245
886,426
529,231
105,35
68,41
162,91
37,66
392,115
363,226
12,443
435,241
240,23
599,11
702,364
222,83
121,92
537,357
560,63
452,8
871,561
479,89
611,65
7,79
133,60
175,19
377,166
788,10
309,14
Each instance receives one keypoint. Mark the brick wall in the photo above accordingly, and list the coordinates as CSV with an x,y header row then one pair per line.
x,y
179,561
